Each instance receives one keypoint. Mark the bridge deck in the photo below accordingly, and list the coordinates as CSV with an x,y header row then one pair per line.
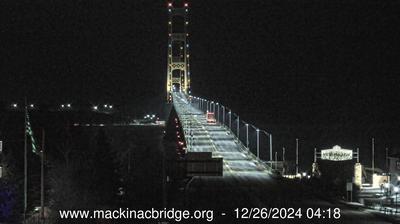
x,y
201,136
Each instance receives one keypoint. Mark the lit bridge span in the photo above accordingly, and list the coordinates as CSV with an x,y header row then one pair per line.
x,y
225,139
218,138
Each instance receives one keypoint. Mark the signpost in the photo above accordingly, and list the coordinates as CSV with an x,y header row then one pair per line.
x,y
337,154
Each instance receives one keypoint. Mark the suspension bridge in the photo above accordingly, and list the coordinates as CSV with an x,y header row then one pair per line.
x,y
222,138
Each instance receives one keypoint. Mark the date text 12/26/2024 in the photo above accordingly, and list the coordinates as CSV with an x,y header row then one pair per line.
x,y
287,213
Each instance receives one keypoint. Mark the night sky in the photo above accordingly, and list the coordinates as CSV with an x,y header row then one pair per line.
x,y
283,61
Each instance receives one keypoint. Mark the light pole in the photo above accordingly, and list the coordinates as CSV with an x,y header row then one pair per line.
x,y
270,146
258,143
223,114
200,104
230,119
247,135
213,107
283,161
297,156
237,127
25,163
396,191
42,178
373,156
386,160
218,112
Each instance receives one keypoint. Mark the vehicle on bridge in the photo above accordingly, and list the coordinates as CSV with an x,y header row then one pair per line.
x,y
211,118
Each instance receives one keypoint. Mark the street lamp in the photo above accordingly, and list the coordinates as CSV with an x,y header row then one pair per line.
x,y
258,143
237,127
230,119
396,191
270,145
218,112
297,156
223,114
14,105
247,135
95,107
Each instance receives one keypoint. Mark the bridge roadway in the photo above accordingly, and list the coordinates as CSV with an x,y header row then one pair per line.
x,y
246,182
204,137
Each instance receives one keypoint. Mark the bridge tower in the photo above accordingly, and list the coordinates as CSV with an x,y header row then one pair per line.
x,y
178,70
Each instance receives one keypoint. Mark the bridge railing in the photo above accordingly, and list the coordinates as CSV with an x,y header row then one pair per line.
x,y
252,139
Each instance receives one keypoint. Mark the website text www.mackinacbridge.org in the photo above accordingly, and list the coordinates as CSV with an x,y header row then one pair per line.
x,y
130,214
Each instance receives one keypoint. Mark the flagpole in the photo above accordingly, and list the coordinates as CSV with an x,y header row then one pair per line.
x,y
25,165
42,179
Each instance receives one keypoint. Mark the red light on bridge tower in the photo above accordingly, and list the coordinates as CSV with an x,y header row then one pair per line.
x,y
178,69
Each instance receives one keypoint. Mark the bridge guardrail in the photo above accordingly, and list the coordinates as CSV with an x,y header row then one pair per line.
x,y
211,106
